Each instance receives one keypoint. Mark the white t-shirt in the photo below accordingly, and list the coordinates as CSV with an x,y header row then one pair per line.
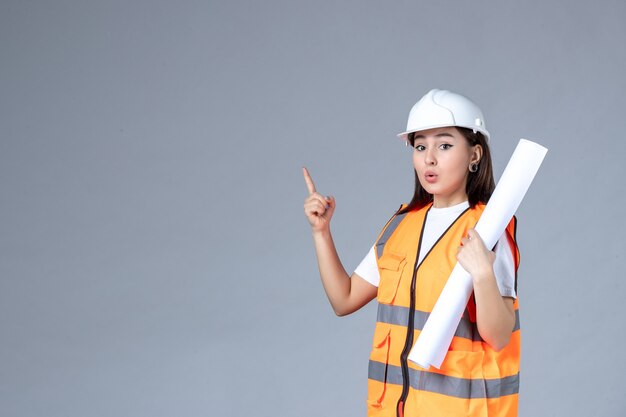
x,y
437,222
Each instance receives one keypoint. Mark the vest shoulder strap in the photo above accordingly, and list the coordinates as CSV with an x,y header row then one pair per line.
x,y
388,230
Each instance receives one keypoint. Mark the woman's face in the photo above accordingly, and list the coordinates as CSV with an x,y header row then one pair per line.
x,y
441,158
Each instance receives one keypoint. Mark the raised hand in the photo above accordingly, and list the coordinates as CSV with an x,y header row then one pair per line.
x,y
317,208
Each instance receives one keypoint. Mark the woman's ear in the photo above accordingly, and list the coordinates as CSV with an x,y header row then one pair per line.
x,y
477,154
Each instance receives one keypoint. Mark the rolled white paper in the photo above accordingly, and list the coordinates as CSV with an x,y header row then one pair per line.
x,y
434,340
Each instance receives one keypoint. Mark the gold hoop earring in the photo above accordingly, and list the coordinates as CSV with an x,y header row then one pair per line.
x,y
473,167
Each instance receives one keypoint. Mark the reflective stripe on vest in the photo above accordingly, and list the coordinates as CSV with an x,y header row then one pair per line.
x,y
400,316
444,384
473,372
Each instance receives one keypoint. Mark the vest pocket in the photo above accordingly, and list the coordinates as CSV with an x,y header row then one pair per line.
x,y
390,267
379,366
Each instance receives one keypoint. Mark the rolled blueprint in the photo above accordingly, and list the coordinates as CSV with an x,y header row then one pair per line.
x,y
434,340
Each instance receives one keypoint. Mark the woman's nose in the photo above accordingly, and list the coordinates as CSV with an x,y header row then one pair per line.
x,y
429,158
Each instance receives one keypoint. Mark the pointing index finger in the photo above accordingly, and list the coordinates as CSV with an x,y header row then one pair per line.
x,y
308,180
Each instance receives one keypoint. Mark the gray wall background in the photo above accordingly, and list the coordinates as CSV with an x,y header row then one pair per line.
x,y
154,257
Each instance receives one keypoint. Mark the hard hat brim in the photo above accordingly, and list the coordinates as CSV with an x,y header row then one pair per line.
x,y
404,135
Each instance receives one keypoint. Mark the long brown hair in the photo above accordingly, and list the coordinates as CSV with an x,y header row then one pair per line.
x,y
480,184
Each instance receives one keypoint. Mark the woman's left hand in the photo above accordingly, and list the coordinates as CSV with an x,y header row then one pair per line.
x,y
474,256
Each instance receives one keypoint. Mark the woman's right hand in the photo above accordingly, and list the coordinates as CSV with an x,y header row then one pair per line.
x,y
317,208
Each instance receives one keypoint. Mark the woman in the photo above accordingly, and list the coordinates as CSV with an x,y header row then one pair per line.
x,y
410,262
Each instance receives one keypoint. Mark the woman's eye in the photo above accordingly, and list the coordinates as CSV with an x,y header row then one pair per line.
x,y
419,147
445,146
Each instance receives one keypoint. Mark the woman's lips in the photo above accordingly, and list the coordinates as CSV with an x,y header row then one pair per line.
x,y
430,177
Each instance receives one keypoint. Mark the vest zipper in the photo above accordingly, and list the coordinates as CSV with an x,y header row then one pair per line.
x,y
409,332
408,344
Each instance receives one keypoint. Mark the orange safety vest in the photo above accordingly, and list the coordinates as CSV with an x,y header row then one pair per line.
x,y
474,379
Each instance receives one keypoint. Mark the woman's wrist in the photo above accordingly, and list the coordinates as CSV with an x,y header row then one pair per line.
x,y
321,233
483,274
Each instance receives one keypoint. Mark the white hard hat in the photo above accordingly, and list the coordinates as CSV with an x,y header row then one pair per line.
x,y
441,108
